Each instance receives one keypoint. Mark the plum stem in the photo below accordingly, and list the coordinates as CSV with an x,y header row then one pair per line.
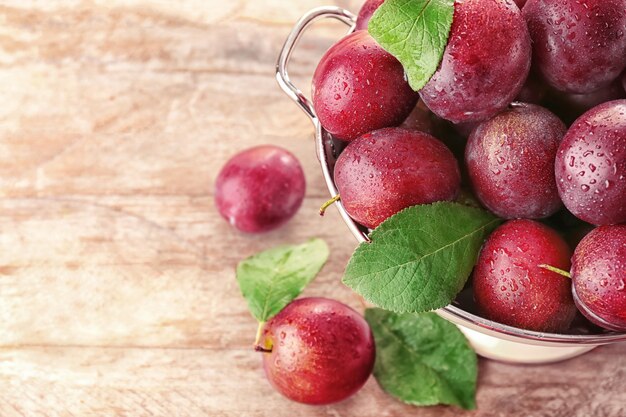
x,y
257,339
329,203
556,270
259,333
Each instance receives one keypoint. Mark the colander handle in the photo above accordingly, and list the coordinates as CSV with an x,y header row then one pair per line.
x,y
282,74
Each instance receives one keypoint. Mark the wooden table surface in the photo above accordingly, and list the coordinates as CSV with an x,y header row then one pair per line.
x,y
117,287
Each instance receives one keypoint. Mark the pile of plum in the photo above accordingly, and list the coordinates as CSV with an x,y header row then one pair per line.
x,y
489,129
508,78
525,116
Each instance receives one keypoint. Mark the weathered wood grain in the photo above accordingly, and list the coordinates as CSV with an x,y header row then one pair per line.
x,y
139,271
93,381
117,290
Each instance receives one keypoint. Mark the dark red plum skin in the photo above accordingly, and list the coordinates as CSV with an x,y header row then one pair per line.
x,y
260,189
422,119
520,3
510,160
599,277
578,45
590,166
534,89
510,287
366,13
322,351
388,170
484,65
570,107
465,129
585,102
359,87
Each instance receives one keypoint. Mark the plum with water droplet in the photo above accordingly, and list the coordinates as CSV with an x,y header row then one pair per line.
x,y
511,288
484,65
599,277
320,351
388,170
359,87
510,161
260,189
366,12
578,45
590,165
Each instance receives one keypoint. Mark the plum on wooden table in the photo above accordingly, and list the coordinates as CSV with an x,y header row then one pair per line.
x,y
317,351
260,189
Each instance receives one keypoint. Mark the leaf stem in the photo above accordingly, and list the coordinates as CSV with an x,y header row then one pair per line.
x,y
329,203
257,340
259,333
556,270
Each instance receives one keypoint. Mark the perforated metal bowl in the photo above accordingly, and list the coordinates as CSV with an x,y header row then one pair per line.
x,y
490,339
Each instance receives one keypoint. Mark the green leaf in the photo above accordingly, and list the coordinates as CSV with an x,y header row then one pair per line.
x,y
419,259
416,33
421,359
272,279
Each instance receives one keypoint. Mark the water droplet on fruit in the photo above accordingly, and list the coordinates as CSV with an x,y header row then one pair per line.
x,y
584,187
571,161
607,184
592,167
603,282
621,286
282,335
